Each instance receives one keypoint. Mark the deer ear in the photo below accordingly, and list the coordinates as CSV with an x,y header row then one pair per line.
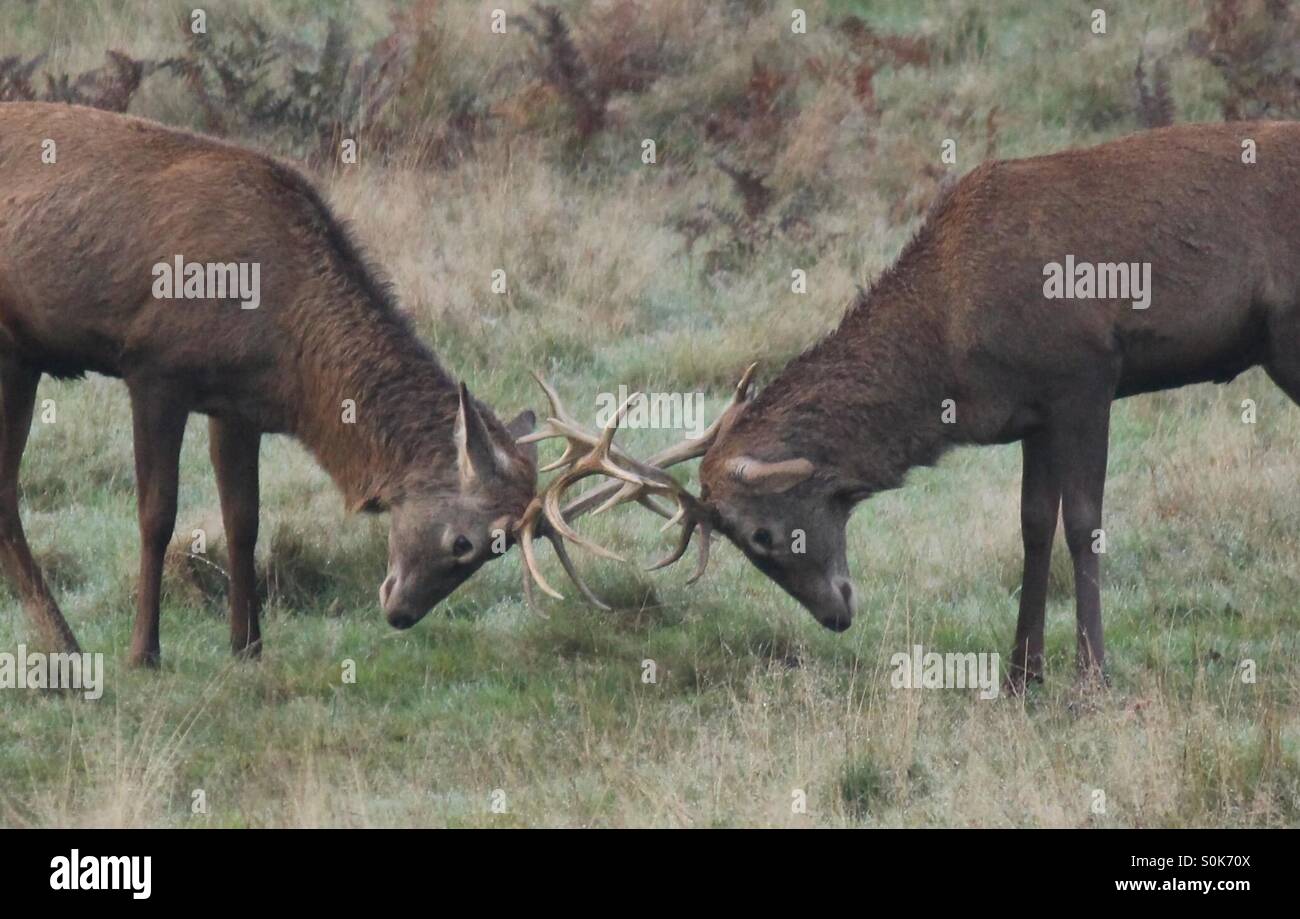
x,y
740,400
520,426
769,478
475,455
368,505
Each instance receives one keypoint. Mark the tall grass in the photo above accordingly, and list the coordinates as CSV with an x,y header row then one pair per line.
x,y
774,152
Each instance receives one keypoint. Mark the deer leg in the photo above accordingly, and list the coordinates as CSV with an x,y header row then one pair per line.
x,y
1283,365
1286,377
233,447
17,398
1079,454
1040,506
158,419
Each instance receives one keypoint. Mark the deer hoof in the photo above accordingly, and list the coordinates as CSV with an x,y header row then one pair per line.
x,y
147,659
248,652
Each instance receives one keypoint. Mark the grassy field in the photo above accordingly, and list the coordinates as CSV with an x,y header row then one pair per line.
x,y
672,277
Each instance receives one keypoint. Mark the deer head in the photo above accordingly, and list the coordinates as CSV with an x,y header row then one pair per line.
x,y
787,515
440,536
789,518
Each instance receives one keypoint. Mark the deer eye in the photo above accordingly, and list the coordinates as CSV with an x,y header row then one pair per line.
x,y
762,538
462,546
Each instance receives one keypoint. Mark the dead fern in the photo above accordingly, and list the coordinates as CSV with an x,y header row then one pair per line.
x,y
328,94
561,65
1155,103
623,54
1255,47
343,96
16,78
755,196
230,79
110,87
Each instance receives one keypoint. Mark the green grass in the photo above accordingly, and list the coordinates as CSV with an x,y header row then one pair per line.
x,y
753,702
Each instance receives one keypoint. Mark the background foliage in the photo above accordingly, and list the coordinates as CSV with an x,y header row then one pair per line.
x,y
775,151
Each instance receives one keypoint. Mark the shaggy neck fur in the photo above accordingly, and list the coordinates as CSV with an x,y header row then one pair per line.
x,y
865,403
356,349
399,436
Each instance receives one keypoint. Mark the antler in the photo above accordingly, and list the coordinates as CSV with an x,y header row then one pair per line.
x,y
634,481
616,493
585,454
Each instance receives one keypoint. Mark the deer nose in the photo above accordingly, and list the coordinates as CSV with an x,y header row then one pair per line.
x,y
398,618
402,621
843,587
846,591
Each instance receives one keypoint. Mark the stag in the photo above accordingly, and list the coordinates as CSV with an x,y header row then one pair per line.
x,y
959,343
325,357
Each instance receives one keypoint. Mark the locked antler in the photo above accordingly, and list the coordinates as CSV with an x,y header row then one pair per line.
x,y
587,454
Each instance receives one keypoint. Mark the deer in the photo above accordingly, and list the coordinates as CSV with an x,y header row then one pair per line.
x,y
325,356
961,342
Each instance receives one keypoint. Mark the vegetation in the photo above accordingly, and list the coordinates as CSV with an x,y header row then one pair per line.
x,y
773,151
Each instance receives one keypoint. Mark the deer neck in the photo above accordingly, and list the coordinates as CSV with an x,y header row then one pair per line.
x,y
377,409
869,401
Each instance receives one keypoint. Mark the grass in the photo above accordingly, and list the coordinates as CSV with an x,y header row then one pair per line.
x,y
753,706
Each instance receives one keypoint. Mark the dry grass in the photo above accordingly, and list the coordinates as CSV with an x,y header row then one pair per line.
x,y
674,276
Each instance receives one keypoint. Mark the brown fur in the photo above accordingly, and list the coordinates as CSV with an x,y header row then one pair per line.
x,y
962,316
78,241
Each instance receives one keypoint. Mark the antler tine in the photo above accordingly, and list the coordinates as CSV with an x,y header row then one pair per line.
x,y
683,543
558,424
689,525
571,570
706,537
572,449
596,462
588,453
580,440
575,442
573,446
613,494
529,599
746,380
555,519
626,492
527,533
675,518
653,506
596,459
557,407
